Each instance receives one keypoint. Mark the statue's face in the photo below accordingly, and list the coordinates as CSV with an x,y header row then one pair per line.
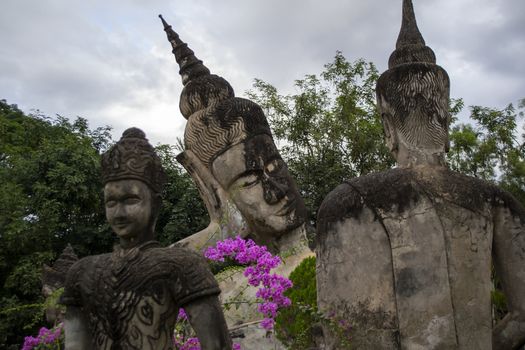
x,y
258,181
128,207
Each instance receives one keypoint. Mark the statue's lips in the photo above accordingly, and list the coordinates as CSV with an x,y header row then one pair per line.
x,y
121,224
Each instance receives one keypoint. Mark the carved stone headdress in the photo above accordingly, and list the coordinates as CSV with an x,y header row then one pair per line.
x,y
200,87
133,157
413,94
217,119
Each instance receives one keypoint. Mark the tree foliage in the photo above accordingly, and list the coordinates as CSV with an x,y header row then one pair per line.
x,y
491,148
50,194
183,212
294,325
330,129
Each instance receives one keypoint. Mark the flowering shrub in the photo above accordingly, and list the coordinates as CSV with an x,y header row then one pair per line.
x,y
50,339
260,262
271,286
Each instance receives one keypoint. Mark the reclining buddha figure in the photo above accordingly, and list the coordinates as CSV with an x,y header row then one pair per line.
x,y
231,155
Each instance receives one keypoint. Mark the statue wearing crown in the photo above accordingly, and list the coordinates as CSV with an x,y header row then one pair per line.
x,y
130,298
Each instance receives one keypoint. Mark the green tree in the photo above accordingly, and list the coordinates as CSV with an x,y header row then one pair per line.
x,y
50,194
183,212
491,148
330,129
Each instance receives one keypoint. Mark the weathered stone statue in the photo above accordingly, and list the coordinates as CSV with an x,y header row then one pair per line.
x,y
247,188
231,155
54,278
406,255
129,299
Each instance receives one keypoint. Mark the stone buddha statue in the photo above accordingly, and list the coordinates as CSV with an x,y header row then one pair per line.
x,y
129,299
406,256
242,179
230,153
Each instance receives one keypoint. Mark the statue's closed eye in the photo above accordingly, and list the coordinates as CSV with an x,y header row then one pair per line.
x,y
249,180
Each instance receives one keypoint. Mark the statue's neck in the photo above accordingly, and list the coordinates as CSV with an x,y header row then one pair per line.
x,y
293,241
136,241
407,156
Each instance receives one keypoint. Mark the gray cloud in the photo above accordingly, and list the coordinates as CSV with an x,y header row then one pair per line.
x,y
110,61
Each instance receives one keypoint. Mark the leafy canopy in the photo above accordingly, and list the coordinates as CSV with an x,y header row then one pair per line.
x,y
330,129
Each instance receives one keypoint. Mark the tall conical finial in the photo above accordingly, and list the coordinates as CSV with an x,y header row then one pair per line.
x,y
190,66
410,45
409,33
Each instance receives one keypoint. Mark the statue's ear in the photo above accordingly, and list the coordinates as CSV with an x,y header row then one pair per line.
x,y
391,138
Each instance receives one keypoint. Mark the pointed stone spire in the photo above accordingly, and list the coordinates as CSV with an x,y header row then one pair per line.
x,y
190,66
410,45
413,97
409,33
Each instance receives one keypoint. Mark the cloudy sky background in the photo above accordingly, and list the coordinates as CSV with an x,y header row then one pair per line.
x,y
110,62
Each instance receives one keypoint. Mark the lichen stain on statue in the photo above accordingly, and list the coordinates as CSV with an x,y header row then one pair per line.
x,y
416,243
233,159
129,299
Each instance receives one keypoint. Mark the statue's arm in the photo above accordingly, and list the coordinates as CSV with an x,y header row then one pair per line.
x,y
220,209
206,318
77,331
509,262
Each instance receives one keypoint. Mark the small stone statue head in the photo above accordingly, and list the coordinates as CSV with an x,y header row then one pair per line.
x,y
133,181
54,278
413,99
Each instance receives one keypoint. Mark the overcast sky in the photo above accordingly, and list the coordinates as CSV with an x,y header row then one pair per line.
x,y
110,62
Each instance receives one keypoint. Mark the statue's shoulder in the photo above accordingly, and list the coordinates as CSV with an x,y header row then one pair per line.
x,y
191,272
466,191
89,263
181,261
82,273
377,190
179,255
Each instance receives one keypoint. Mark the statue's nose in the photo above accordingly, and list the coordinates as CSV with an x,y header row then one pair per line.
x,y
120,211
274,189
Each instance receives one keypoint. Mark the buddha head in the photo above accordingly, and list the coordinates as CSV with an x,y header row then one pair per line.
x,y
234,141
413,99
232,138
133,181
